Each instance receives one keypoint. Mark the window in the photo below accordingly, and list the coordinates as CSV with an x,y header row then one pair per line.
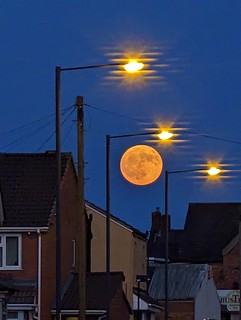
x,y
12,315
10,246
15,315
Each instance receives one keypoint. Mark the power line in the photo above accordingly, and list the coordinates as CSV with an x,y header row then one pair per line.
x,y
115,113
185,131
53,133
34,122
214,137
35,131
71,109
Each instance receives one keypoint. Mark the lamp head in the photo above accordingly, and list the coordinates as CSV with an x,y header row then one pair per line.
x,y
133,66
165,135
213,171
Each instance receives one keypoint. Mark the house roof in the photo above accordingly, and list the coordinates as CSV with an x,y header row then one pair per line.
x,y
147,298
22,291
156,245
184,281
209,223
28,187
95,290
118,220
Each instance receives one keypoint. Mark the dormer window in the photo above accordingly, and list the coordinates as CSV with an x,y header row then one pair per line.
x,y
10,248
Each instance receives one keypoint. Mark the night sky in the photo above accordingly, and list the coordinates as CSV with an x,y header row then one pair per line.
x,y
196,51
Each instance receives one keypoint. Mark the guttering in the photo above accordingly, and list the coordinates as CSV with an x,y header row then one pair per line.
x,y
21,307
76,312
24,229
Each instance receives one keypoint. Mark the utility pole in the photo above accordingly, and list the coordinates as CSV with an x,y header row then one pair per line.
x,y
81,210
166,244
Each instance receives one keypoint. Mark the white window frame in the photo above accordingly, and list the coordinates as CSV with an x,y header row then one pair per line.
x,y
3,246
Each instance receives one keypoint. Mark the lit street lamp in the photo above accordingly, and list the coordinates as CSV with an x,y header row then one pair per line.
x,y
213,171
163,135
131,67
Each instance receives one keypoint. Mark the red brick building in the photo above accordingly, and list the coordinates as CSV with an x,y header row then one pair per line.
x,y
27,229
28,240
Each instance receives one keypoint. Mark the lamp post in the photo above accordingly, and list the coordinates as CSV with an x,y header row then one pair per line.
x,y
131,67
164,135
212,172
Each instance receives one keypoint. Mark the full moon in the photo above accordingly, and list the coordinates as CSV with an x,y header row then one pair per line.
x,y
141,165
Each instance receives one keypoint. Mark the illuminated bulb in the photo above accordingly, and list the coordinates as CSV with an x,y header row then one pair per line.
x,y
133,66
213,171
165,135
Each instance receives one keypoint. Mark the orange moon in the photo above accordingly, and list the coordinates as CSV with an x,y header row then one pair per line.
x,y
141,165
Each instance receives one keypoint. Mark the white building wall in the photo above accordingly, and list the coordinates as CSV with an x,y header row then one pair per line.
x,y
143,308
207,304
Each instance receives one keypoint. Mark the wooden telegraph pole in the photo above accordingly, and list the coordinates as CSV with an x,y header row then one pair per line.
x,y
81,210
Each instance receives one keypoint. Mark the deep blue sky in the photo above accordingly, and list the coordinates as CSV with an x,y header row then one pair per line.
x,y
200,90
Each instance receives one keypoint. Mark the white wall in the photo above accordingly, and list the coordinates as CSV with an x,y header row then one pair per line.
x,y
207,304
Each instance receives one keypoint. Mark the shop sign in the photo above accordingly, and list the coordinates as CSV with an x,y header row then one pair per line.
x,y
229,298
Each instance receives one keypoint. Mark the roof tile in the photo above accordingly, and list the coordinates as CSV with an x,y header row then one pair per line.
x,y
28,187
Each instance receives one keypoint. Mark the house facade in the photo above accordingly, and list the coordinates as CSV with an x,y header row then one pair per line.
x,y
28,237
128,248
27,230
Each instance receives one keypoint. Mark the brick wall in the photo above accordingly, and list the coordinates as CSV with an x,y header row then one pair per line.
x,y
226,274
68,233
179,311
29,259
119,308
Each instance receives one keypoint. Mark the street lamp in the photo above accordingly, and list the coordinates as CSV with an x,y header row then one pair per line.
x,y
131,67
165,136
213,171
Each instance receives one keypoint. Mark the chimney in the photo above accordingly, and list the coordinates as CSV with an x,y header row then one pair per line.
x,y
156,223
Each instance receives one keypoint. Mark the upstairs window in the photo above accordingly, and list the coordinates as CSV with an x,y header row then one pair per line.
x,y
10,247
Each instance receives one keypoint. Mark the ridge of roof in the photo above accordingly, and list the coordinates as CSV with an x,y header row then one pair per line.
x,y
135,230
